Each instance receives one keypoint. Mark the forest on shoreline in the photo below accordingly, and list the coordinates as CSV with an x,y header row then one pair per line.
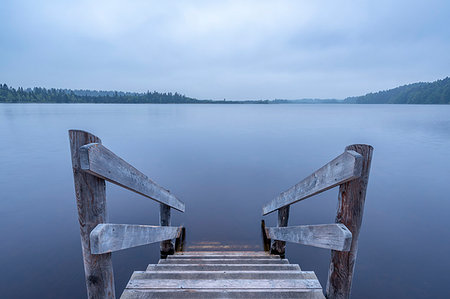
x,y
437,92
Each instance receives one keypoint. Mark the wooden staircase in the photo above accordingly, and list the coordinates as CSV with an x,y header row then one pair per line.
x,y
223,274
215,274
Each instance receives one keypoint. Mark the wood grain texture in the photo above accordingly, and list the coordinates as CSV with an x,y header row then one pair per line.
x,y
223,261
223,283
279,247
166,246
344,168
329,236
113,237
223,267
229,274
352,197
91,203
103,163
223,293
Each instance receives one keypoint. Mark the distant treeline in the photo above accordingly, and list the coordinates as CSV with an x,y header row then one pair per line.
x,y
43,95
52,95
437,92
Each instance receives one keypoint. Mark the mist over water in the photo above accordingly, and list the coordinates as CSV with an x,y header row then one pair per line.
x,y
225,162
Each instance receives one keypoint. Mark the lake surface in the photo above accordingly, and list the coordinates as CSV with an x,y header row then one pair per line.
x,y
225,162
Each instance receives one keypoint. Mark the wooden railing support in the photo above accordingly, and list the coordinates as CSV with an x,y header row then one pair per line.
x,y
179,241
91,202
167,246
265,238
279,247
352,196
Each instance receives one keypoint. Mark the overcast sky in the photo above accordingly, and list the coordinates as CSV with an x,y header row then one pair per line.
x,y
225,49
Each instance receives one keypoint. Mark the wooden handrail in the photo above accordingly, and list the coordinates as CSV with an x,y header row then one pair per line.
x,y
344,168
108,237
329,236
90,192
92,164
351,172
97,160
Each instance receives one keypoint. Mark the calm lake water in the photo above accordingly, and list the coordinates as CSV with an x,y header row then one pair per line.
x,y
225,162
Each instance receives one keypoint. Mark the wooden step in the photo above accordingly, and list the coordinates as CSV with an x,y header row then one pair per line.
x,y
214,293
217,256
205,253
223,284
224,261
223,267
223,275
189,275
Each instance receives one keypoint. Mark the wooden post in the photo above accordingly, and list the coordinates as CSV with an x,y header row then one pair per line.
x,y
266,240
279,247
179,241
167,247
352,196
90,192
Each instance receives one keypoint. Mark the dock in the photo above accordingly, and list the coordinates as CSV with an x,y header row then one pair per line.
x,y
216,274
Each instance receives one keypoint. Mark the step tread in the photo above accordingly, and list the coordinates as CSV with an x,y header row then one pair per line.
x,y
217,256
224,283
223,267
213,293
201,275
223,261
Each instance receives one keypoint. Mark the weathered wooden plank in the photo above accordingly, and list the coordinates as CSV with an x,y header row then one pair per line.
x,y
344,168
352,196
222,293
279,247
330,236
224,267
224,283
222,256
204,253
166,246
223,261
103,163
91,202
114,237
236,274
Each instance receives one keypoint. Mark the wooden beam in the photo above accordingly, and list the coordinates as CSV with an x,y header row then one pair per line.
x,y
166,246
344,168
279,247
330,236
113,237
101,162
91,202
352,196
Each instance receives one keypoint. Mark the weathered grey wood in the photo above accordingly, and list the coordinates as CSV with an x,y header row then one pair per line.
x,y
352,197
222,293
330,236
266,241
224,261
230,274
114,237
101,162
166,246
279,247
179,241
91,203
344,168
224,283
223,267
204,253
223,256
